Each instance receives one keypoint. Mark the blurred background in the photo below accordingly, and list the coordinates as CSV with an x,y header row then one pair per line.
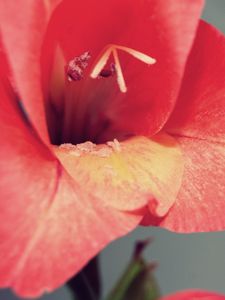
x,y
185,261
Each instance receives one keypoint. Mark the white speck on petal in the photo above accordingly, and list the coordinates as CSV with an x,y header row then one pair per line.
x,y
103,152
86,147
67,146
71,149
115,145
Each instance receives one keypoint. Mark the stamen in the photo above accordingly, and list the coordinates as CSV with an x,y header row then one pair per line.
x,y
120,78
75,68
99,70
100,64
139,55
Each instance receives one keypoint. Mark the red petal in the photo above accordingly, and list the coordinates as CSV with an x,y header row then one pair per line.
x,y
54,237
50,227
128,175
22,36
200,110
200,202
194,295
162,29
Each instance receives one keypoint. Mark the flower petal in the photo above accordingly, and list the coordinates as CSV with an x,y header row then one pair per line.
x,y
45,215
198,124
200,109
22,37
200,203
55,238
194,295
130,174
161,29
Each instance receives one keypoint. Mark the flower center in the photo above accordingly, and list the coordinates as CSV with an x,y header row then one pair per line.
x,y
91,95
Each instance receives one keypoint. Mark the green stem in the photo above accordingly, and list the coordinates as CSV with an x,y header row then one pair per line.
x,y
134,268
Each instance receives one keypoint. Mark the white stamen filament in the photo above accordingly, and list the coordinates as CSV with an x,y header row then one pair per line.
x,y
112,49
120,78
137,54
101,63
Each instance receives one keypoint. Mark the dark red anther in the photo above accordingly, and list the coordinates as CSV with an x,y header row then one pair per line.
x,y
75,68
108,72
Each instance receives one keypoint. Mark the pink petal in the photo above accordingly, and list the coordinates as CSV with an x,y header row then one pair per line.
x,y
200,110
162,29
47,240
200,118
194,295
22,36
200,203
50,226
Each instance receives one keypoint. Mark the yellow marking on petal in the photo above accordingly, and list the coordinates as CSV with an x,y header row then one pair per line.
x,y
144,171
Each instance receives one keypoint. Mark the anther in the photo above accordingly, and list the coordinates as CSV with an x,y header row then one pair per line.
x,y
108,72
75,68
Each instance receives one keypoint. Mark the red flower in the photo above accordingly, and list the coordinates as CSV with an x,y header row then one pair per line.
x,y
60,205
194,295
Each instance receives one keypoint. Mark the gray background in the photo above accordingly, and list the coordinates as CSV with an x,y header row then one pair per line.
x,y
185,261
